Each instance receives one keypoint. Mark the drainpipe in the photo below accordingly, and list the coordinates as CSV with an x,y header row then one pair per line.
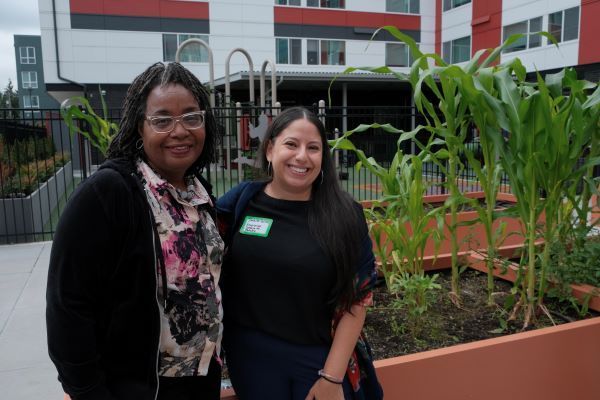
x,y
57,56
82,147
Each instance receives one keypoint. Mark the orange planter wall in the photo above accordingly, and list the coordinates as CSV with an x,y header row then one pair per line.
x,y
554,363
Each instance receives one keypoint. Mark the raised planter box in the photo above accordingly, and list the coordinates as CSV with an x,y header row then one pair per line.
x,y
555,363
21,219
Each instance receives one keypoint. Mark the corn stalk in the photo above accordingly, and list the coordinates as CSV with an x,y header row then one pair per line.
x,y
101,131
399,220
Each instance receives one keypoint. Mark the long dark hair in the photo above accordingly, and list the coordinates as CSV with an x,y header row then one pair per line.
x,y
134,109
333,218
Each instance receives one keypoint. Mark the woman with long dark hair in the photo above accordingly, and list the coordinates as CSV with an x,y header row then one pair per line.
x,y
298,272
133,302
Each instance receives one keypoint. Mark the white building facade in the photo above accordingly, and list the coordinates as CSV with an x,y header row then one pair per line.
x,y
109,42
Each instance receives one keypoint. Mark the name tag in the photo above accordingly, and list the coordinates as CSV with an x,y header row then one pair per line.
x,y
256,226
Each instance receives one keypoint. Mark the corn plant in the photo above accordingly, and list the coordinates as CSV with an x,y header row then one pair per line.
x,y
101,131
400,222
568,138
580,201
401,226
450,103
488,171
404,225
548,136
446,95
407,221
449,129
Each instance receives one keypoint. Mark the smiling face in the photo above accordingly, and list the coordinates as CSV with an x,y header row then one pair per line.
x,y
171,154
296,155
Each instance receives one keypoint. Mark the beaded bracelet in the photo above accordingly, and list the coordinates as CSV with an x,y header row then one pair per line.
x,y
330,378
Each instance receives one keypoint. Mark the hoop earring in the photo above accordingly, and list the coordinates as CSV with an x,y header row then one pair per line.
x,y
139,144
322,176
269,169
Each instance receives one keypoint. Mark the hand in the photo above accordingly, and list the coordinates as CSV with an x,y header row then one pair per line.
x,y
324,390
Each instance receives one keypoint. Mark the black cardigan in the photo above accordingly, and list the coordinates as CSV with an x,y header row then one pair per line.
x,y
102,313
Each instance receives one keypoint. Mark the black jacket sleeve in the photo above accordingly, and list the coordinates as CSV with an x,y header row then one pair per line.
x,y
84,249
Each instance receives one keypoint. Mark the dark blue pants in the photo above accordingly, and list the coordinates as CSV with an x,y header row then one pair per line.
x,y
263,367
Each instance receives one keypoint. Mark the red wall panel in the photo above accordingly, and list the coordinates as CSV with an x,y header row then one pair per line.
x,y
486,24
142,8
314,16
589,32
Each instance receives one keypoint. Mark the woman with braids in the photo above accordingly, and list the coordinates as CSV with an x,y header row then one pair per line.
x,y
133,302
298,274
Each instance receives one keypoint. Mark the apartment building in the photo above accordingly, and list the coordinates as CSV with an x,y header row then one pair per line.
x,y
30,73
466,26
87,43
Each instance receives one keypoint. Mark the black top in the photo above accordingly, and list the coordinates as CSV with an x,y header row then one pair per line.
x,y
279,283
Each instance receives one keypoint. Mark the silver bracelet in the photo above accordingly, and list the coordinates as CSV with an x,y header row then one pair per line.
x,y
330,378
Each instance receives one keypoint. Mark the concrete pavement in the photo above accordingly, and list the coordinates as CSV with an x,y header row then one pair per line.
x,y
26,372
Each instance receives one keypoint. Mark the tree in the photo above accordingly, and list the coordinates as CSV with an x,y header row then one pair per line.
x,y
9,99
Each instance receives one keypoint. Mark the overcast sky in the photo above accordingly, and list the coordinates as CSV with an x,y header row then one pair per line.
x,y
16,17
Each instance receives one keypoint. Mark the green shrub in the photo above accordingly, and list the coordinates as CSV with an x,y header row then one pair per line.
x,y
414,293
25,151
27,164
578,264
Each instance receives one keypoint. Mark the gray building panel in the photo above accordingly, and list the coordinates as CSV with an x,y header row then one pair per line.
x,y
23,41
177,25
338,32
143,24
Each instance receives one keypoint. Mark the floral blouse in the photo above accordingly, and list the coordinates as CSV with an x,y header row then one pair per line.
x,y
191,325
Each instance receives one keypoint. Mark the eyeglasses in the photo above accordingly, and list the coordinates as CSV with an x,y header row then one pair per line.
x,y
166,123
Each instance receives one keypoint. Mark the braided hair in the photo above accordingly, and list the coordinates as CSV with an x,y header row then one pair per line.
x,y
123,145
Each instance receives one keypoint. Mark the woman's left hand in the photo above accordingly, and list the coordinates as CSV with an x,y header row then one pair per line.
x,y
323,390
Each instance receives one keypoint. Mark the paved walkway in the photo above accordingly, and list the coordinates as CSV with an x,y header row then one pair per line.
x,y
26,372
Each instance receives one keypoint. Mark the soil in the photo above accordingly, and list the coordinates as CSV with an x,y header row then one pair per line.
x,y
444,324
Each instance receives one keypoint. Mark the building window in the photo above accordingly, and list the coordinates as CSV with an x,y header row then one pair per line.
x,y
535,26
564,25
27,55
29,80
326,52
457,50
398,55
326,3
31,101
287,2
449,4
288,51
402,6
527,28
192,53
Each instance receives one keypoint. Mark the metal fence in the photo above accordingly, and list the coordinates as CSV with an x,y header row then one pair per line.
x,y
41,163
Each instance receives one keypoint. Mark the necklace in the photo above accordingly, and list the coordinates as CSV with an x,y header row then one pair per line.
x,y
187,194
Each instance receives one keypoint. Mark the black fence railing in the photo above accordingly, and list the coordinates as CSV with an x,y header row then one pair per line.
x,y
42,163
